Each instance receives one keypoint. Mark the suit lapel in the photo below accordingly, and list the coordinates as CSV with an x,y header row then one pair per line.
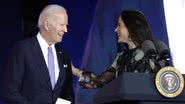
x,y
39,58
61,63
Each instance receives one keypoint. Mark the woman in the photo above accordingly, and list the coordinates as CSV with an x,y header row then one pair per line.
x,y
132,29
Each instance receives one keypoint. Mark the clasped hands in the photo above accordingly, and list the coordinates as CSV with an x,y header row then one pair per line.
x,y
88,80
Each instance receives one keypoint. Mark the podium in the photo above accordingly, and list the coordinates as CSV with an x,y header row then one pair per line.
x,y
134,88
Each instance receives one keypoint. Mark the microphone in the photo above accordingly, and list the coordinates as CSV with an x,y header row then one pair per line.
x,y
150,52
164,53
149,49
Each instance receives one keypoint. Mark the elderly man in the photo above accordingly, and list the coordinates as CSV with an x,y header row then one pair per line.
x,y
40,68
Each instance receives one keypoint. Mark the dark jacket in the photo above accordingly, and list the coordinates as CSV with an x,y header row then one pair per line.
x,y
28,81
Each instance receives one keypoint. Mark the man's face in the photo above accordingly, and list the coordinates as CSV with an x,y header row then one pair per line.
x,y
56,27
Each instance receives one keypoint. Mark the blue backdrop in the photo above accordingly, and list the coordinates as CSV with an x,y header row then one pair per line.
x,y
10,30
101,45
91,40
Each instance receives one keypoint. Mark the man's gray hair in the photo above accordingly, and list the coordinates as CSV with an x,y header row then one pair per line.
x,y
48,12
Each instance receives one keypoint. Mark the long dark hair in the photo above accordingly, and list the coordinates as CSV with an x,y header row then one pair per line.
x,y
137,26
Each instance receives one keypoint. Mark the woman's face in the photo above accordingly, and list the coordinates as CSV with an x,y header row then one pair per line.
x,y
122,32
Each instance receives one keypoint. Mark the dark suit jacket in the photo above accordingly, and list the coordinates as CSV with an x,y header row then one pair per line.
x,y
29,81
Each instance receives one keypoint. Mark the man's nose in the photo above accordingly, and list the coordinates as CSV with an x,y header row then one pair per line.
x,y
65,28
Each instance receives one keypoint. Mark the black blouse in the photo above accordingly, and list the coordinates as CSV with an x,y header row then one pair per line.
x,y
130,60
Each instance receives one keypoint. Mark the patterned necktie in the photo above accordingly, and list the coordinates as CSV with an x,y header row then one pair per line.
x,y
51,67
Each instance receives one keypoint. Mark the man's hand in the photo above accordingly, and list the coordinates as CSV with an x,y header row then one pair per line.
x,y
87,80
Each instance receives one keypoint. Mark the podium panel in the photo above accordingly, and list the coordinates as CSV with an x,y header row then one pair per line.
x,y
134,88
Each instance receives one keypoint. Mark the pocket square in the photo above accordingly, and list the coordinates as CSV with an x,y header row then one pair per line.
x,y
65,65
62,101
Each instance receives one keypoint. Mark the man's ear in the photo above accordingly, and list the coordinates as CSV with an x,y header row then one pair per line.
x,y
46,25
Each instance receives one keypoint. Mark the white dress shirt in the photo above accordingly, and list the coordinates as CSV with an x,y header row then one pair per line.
x,y
44,47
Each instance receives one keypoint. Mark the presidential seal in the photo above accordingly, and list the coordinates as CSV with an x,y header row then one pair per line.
x,y
169,82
